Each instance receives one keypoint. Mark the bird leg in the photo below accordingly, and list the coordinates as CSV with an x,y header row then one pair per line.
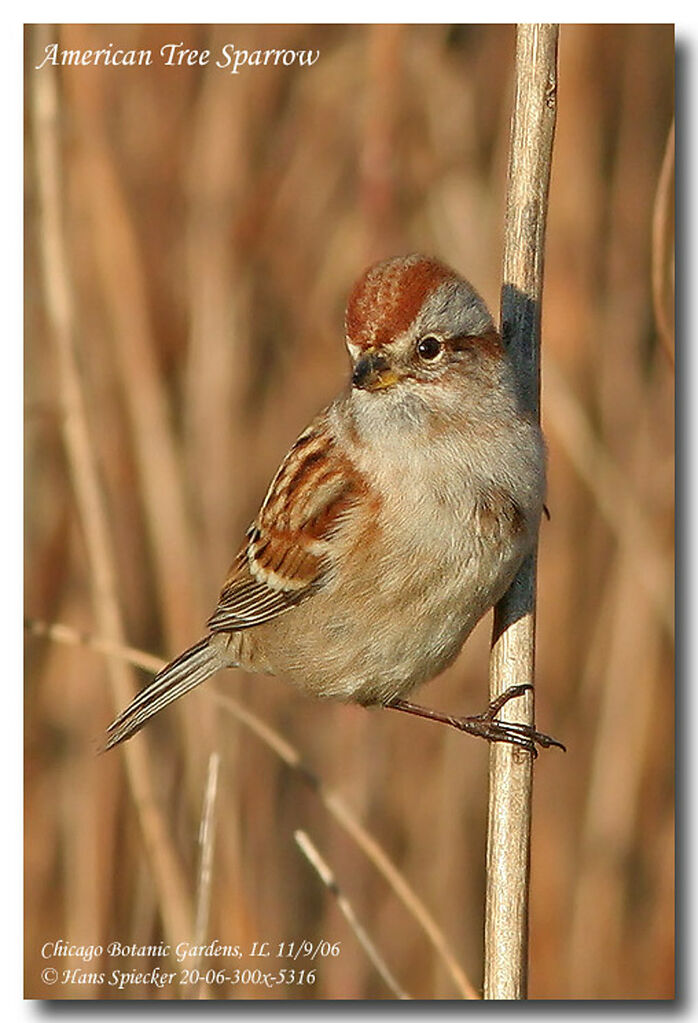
x,y
487,725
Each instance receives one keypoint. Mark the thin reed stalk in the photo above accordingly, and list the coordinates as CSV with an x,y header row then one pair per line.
x,y
662,249
206,843
122,277
169,881
327,877
512,656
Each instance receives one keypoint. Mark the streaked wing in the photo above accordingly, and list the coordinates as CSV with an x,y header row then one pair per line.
x,y
287,556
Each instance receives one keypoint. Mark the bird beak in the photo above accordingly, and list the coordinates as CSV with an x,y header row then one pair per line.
x,y
372,372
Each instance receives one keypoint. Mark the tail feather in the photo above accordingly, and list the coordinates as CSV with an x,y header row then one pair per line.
x,y
177,678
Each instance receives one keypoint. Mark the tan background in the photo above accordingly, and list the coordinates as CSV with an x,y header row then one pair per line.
x,y
213,226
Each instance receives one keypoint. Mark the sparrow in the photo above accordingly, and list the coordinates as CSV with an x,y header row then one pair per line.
x,y
397,519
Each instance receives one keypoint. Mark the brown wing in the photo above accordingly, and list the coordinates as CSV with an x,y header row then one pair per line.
x,y
287,556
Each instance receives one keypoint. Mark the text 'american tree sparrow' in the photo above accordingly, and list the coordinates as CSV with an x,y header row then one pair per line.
x,y
397,519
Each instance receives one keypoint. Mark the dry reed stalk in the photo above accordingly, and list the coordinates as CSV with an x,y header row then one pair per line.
x,y
662,250
328,879
625,714
122,274
616,498
512,658
377,193
83,891
218,358
216,377
173,897
206,843
332,802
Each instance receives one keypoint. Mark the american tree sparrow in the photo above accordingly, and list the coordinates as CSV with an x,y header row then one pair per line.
x,y
397,519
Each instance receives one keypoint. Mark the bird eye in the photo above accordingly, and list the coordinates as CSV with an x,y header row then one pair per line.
x,y
429,348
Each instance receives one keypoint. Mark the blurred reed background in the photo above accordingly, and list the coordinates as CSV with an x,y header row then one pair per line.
x,y
212,227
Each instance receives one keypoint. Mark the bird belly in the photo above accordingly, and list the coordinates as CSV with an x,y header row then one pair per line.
x,y
394,621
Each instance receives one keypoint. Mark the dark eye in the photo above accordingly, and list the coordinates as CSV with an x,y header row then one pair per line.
x,y
429,348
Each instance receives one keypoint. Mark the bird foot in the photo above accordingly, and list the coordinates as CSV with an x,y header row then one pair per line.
x,y
487,725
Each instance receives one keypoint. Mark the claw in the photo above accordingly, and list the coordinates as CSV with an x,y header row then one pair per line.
x,y
514,732
509,694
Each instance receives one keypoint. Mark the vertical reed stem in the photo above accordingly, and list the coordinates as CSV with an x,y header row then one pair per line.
x,y
513,641
168,877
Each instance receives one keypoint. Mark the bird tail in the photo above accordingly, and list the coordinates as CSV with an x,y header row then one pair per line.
x,y
177,678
